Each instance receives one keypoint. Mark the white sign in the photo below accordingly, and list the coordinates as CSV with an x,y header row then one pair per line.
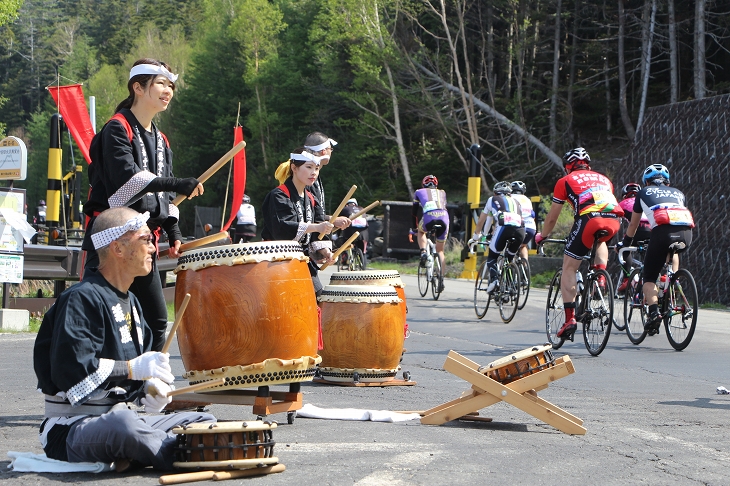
x,y
11,268
13,159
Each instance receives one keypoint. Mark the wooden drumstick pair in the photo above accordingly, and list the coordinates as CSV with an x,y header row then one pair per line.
x,y
220,475
342,248
340,207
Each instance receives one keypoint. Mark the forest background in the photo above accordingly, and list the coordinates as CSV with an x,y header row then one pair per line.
x,y
404,86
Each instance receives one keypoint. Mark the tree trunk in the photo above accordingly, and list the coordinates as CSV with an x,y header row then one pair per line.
x,y
647,65
571,82
492,75
607,84
625,118
556,74
699,50
499,118
261,130
673,56
510,49
399,132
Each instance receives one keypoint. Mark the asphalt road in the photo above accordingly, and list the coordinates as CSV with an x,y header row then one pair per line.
x,y
651,413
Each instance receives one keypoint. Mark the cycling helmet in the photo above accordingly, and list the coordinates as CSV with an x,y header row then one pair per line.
x,y
430,181
656,174
352,201
246,198
576,158
42,202
630,190
502,188
519,187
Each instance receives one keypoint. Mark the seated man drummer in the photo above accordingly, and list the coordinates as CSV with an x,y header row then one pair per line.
x,y
93,361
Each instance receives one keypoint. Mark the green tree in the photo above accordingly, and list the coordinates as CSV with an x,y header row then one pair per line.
x,y
9,10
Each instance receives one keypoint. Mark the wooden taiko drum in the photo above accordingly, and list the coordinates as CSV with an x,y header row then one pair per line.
x,y
229,445
252,316
522,363
375,277
362,330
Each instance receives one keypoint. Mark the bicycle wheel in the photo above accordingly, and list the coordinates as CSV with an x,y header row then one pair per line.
x,y
508,295
598,315
679,308
634,310
525,278
617,277
436,277
342,262
422,280
481,296
554,311
358,260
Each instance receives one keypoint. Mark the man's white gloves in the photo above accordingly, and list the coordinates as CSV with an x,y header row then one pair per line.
x,y
151,364
156,398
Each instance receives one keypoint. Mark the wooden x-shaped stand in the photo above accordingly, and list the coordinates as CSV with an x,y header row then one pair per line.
x,y
521,393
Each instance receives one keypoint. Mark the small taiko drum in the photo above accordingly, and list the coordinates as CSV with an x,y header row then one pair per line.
x,y
229,445
252,316
362,330
374,277
520,364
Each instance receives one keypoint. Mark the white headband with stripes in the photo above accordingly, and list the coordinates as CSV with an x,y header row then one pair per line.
x,y
152,69
306,157
105,237
324,145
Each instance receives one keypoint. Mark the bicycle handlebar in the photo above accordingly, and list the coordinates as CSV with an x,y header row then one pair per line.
x,y
541,251
624,250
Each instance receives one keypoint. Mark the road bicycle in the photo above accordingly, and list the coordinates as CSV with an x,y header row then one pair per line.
x,y
593,303
618,274
430,273
678,302
507,292
352,259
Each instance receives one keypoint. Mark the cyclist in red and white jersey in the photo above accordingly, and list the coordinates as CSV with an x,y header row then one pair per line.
x,y
595,208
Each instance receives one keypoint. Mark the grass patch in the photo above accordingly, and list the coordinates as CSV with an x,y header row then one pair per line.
x,y
541,280
452,257
714,305
171,312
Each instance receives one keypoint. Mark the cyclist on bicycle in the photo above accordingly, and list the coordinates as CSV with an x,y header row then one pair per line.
x,y
429,211
628,195
528,215
595,208
502,216
358,224
671,222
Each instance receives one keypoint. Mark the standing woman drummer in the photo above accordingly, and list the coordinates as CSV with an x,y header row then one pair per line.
x,y
291,212
132,166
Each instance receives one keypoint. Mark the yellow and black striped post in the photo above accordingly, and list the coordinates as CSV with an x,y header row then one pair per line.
x,y
53,192
473,202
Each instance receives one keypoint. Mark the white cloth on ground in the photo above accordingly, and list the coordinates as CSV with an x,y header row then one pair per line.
x,y
312,411
30,462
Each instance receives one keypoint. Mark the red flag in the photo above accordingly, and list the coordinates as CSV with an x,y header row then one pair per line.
x,y
239,176
72,106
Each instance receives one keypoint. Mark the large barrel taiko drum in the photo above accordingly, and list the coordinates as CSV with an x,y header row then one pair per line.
x,y
252,316
362,330
374,277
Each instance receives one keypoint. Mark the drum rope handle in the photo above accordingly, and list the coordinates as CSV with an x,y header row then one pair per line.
x,y
340,207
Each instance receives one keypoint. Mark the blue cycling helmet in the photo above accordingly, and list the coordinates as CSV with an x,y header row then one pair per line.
x,y
656,174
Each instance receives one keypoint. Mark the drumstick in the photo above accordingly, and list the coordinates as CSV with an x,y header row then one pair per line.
x,y
196,387
340,207
213,169
205,240
342,248
361,212
365,210
178,318
186,477
254,471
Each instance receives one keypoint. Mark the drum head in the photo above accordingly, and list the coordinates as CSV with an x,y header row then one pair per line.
x,y
380,277
378,294
260,251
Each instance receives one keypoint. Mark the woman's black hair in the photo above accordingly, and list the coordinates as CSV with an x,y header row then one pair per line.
x,y
142,79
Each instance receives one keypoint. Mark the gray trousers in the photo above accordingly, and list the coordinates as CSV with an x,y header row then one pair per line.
x,y
124,434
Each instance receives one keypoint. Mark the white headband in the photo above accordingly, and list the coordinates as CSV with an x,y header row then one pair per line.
x,y
316,148
306,157
105,237
152,69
